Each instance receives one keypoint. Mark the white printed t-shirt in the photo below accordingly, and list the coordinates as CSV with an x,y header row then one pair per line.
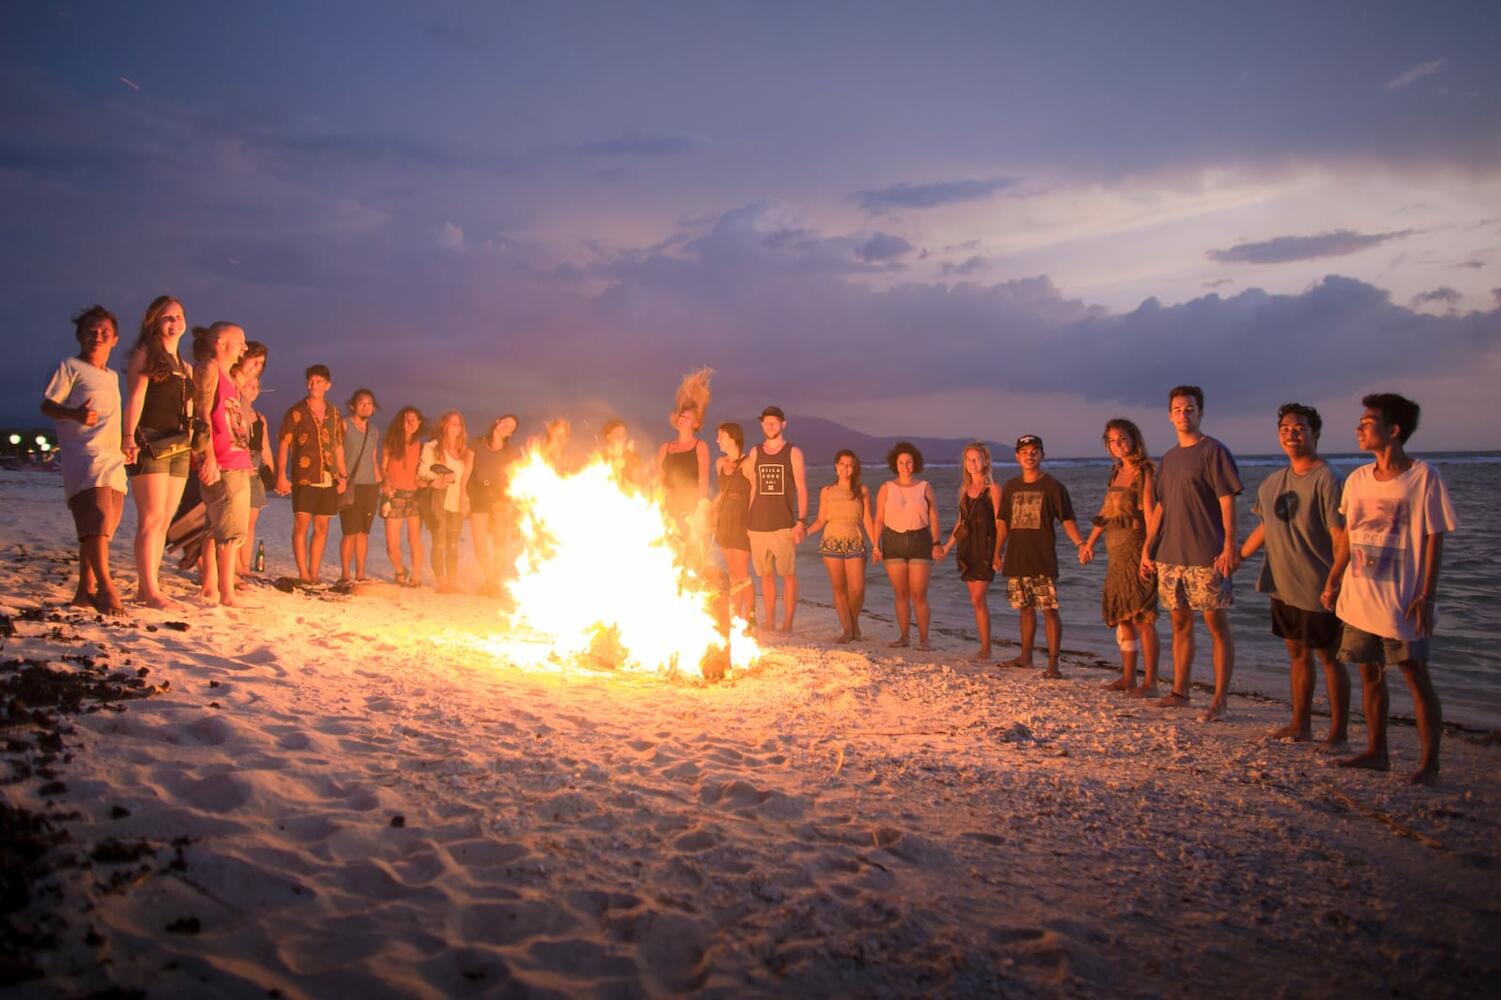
x,y
1388,524
89,456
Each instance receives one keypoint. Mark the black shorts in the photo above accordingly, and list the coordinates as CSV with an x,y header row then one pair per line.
x,y
321,501
357,518
1316,629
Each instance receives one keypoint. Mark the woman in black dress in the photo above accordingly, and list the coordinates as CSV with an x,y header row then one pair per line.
x,y
975,536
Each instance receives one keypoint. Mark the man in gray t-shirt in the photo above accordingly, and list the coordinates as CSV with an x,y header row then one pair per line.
x,y
1302,526
1191,546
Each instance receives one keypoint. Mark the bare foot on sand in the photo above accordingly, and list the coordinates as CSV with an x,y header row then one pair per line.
x,y
1369,761
1333,746
924,646
161,602
1298,734
981,656
1214,713
1143,691
1424,776
1052,672
899,643
1120,684
1172,700
108,603
844,638
1017,661
82,599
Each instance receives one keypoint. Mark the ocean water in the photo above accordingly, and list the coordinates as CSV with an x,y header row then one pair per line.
x,y
1466,659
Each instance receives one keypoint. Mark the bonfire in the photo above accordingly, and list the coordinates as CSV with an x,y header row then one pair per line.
x,y
606,580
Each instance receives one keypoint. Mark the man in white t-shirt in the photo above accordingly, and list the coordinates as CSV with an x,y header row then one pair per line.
x,y
1396,511
83,397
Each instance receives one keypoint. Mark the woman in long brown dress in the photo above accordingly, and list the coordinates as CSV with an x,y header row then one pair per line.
x,y
1129,602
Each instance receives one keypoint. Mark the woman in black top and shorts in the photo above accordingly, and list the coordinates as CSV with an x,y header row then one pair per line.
x,y
731,505
158,416
489,506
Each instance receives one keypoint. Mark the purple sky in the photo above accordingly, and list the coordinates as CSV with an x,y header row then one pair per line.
x,y
938,219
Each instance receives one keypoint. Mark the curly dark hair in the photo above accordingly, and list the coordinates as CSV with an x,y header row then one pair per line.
x,y
904,448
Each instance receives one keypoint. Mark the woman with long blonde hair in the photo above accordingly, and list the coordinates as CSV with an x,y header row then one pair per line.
x,y
446,464
976,537
156,428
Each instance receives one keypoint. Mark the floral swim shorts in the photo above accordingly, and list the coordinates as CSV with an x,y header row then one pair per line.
x,y
1032,592
1196,588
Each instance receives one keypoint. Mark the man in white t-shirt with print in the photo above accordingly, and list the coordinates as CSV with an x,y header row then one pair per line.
x,y
1397,511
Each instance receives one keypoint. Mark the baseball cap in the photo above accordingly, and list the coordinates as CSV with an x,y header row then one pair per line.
x,y
773,411
1029,441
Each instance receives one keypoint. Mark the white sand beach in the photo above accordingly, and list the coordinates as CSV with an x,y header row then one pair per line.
x,y
354,796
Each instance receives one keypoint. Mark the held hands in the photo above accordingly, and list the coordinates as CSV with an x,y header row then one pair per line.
x,y
130,450
1330,596
1227,562
799,532
875,553
208,472
283,486
1147,569
1086,553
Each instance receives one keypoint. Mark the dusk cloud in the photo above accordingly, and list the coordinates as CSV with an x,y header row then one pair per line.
x,y
1281,249
931,195
637,144
1413,74
883,247
1439,296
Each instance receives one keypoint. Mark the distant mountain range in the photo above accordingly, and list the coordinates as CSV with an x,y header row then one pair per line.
x,y
820,439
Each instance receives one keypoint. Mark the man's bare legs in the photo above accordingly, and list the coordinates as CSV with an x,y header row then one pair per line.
x,y
789,602
1053,625
95,588
1300,661
248,545
1027,623
1430,718
228,558
1183,660
1337,686
978,591
1374,700
1223,650
300,524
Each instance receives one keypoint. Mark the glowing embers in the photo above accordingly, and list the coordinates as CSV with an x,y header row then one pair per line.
x,y
602,582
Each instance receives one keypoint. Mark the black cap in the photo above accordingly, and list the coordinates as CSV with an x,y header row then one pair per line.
x,y
773,411
1029,441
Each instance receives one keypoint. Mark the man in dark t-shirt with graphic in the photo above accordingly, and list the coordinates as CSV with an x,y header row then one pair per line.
x,y
1192,546
1030,503
777,515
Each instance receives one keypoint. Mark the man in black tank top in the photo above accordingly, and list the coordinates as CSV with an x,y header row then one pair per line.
x,y
777,516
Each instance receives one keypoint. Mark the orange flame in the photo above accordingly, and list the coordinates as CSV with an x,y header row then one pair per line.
x,y
602,581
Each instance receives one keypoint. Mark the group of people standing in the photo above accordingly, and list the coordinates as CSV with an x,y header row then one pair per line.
x,y
1351,568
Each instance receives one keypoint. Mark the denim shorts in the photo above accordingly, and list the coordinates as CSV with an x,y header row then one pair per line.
x,y
907,546
1360,646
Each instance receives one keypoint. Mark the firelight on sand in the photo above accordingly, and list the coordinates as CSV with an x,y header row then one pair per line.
x,y
602,581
